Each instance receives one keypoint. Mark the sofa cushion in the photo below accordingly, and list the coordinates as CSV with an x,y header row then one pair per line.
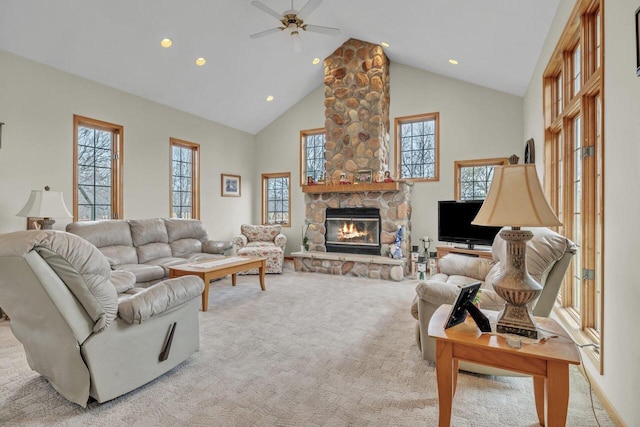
x,y
144,231
260,233
123,280
112,237
119,254
152,251
184,247
185,229
166,262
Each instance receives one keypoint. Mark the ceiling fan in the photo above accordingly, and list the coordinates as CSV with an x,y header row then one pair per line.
x,y
292,20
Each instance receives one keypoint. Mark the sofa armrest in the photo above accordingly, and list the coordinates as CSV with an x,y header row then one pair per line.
x,y
216,246
240,241
159,298
280,240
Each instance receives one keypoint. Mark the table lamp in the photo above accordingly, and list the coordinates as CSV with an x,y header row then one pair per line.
x,y
515,199
46,205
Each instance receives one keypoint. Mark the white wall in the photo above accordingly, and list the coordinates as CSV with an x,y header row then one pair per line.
x,y
475,122
37,104
621,348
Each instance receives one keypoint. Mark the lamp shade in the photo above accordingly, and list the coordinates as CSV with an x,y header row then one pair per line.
x,y
516,199
45,204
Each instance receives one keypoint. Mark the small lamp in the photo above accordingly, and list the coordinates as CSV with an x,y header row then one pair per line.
x,y
515,199
45,204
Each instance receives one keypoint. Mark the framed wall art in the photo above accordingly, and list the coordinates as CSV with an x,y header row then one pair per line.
x,y
363,176
230,185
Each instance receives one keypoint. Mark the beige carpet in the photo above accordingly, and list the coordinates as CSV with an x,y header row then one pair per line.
x,y
312,350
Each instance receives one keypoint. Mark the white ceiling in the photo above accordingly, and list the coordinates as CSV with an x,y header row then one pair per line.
x,y
117,43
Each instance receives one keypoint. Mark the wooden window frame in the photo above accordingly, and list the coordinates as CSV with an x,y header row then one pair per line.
x,y
459,164
303,151
117,161
398,122
195,177
265,178
587,325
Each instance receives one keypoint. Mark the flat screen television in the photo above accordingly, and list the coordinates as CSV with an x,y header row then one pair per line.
x,y
454,223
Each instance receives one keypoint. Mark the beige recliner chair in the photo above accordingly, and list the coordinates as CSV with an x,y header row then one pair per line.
x,y
548,257
86,328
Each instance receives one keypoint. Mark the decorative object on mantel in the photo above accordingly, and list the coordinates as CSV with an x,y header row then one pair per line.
x,y
513,159
515,199
343,179
363,176
529,151
46,205
387,177
230,185
1,124
310,180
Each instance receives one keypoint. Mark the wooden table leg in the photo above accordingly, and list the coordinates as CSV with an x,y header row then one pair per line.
x,y
261,271
233,279
538,392
445,376
557,393
205,295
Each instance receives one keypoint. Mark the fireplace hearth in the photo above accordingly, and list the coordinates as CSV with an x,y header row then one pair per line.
x,y
353,230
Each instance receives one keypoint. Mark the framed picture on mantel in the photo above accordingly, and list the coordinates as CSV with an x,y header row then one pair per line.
x,y
230,185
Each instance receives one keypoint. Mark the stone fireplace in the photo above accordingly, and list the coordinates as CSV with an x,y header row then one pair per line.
x,y
357,139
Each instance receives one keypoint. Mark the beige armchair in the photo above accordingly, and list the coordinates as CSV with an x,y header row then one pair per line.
x,y
87,329
264,241
548,257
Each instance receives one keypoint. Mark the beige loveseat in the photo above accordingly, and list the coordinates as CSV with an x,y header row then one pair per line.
x,y
85,328
148,247
548,257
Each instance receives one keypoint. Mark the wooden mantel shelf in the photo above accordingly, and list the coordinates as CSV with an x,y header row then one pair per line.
x,y
351,188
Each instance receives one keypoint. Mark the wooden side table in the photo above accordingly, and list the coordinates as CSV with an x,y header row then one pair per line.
x,y
548,363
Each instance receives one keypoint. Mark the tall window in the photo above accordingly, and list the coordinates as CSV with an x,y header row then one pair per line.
x,y
574,165
185,179
417,147
312,154
276,194
473,177
97,169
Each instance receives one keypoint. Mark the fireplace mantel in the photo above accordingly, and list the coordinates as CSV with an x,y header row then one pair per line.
x,y
351,188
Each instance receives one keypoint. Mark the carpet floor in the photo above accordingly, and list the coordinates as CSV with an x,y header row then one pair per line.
x,y
312,350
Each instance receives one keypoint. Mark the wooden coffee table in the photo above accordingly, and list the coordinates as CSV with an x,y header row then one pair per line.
x,y
213,269
548,363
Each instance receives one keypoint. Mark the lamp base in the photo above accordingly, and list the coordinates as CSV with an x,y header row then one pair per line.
x,y
518,320
47,223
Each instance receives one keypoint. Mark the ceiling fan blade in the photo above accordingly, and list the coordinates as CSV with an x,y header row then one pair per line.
x,y
263,7
308,8
320,29
266,32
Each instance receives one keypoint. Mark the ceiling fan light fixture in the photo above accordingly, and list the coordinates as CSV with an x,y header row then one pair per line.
x,y
384,44
201,61
315,61
166,43
296,42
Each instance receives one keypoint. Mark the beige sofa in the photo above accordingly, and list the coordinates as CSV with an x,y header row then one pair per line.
x,y
148,247
548,257
87,329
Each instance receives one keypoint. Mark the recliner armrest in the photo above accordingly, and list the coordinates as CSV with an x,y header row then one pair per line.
x,y
462,265
216,246
159,298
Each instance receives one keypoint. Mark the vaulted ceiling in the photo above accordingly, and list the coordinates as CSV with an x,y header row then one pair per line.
x,y
117,43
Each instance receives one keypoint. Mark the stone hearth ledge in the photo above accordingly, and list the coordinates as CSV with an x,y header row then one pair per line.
x,y
343,264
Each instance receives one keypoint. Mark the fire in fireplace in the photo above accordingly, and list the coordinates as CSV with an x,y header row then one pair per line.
x,y
353,230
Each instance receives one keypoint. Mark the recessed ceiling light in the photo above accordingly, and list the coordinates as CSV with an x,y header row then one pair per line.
x,y
269,98
315,61
453,61
200,61
166,42
384,44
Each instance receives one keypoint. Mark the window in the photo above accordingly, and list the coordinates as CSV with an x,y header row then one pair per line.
x,y
97,169
473,177
185,179
276,193
417,147
574,166
312,154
